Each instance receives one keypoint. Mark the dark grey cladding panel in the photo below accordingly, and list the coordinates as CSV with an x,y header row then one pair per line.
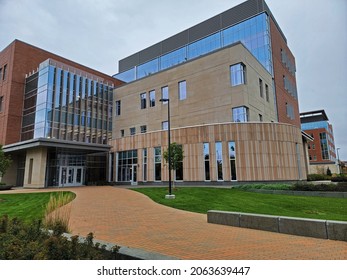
x,y
204,29
150,53
128,62
242,12
175,42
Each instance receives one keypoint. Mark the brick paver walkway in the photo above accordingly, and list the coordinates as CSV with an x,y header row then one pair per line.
x,y
128,218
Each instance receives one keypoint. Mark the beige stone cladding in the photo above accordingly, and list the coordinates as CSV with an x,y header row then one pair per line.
x,y
210,96
264,151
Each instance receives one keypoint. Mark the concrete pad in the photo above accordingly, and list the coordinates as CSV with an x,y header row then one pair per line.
x,y
303,227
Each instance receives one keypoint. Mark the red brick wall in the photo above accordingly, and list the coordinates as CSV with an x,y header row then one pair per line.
x,y
280,70
21,59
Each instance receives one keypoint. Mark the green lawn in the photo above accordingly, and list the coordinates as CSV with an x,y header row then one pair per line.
x,y
26,207
203,199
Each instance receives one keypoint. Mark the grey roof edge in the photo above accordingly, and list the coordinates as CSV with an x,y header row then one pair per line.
x,y
45,142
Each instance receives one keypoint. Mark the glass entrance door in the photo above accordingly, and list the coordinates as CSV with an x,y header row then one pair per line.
x,y
71,176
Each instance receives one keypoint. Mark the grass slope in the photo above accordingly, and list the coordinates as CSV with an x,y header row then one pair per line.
x,y
203,199
26,207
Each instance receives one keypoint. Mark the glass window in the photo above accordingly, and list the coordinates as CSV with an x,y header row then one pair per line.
x,y
122,133
157,164
127,76
240,114
179,171
143,128
132,131
267,93
261,90
182,90
238,74
143,97
165,125
144,164
152,98
260,117
148,68
204,46
173,58
0,73
4,72
290,111
118,107
219,161
165,93
207,161
232,158
1,103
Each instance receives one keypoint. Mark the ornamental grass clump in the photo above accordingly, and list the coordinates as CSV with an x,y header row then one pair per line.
x,y
57,212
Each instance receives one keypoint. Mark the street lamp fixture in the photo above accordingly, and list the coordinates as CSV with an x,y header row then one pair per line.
x,y
170,195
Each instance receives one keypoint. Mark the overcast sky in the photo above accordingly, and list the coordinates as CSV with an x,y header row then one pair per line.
x,y
98,33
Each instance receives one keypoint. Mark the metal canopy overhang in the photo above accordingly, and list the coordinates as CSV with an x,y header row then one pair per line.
x,y
54,143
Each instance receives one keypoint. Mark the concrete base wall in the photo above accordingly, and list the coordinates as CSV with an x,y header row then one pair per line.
x,y
334,230
35,168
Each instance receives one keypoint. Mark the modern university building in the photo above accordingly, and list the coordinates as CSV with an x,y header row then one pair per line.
x,y
225,87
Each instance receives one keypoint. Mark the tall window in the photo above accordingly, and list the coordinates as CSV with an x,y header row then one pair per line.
x,y
144,164
324,145
5,72
182,90
219,161
261,91
157,164
165,93
152,98
290,111
1,103
118,107
165,125
267,93
238,74
126,162
232,159
207,161
240,114
143,97
0,73
260,117
179,171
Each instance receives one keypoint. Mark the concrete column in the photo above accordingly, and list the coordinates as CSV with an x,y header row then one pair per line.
x,y
35,168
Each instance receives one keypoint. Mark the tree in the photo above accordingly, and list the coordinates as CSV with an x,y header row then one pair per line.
x,y
5,162
176,153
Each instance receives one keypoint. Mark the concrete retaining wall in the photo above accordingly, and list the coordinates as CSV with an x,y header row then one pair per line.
x,y
334,230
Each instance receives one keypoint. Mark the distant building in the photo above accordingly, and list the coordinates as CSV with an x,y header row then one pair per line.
x,y
321,151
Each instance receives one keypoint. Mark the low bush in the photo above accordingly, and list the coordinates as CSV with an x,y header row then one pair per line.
x,y
22,241
318,177
264,187
340,187
339,179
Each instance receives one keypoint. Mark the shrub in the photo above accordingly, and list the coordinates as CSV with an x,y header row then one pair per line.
x,y
339,179
318,177
340,187
20,241
265,187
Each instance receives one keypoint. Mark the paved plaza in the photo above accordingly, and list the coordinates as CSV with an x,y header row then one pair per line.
x,y
128,218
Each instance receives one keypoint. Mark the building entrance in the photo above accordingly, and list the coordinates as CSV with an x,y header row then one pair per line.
x,y
71,176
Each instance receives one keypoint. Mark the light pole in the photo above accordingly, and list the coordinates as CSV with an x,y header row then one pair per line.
x,y
338,159
170,195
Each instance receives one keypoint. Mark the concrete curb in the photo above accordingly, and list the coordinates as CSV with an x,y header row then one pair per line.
x,y
126,253
334,230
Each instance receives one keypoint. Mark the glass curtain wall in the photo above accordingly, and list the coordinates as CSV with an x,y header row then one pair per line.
x,y
64,105
254,33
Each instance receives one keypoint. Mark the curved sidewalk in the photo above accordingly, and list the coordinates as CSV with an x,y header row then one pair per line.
x,y
130,219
